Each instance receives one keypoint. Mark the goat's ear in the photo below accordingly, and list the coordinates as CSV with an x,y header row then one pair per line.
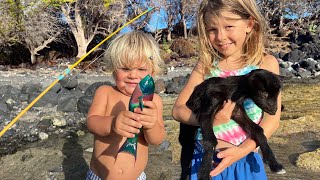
x,y
194,104
280,79
256,79
195,100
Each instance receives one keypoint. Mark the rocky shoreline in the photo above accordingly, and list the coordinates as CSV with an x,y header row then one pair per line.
x,y
55,135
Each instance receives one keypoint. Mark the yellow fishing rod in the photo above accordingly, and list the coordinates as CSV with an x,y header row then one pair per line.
x,y
66,72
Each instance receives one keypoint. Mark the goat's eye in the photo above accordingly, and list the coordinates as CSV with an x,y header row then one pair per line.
x,y
263,94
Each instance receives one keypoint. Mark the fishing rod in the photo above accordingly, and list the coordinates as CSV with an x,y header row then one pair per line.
x,y
66,72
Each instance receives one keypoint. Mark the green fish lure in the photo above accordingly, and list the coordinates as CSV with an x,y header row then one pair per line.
x,y
143,92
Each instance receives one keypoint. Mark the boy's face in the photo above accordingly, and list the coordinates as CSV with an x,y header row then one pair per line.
x,y
127,78
227,33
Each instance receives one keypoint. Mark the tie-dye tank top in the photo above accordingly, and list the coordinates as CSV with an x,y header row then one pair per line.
x,y
231,132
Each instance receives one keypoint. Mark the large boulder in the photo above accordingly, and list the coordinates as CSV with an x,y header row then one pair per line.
x,y
183,47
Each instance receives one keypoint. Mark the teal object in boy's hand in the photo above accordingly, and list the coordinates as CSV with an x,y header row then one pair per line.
x,y
143,91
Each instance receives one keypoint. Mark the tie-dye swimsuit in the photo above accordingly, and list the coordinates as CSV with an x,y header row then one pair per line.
x,y
231,132
249,167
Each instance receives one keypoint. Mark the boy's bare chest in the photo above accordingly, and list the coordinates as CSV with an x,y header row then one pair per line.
x,y
116,104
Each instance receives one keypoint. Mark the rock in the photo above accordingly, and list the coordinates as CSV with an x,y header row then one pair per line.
x,y
43,136
44,124
48,100
176,84
89,150
310,160
69,82
93,87
68,104
160,86
294,56
59,122
3,108
303,73
84,104
183,47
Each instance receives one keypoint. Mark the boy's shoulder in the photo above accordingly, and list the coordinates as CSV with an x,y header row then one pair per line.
x,y
157,99
105,89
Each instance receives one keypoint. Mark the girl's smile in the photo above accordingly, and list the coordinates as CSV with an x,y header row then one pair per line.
x,y
224,46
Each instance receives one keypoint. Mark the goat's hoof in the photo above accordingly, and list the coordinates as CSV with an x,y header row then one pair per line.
x,y
281,171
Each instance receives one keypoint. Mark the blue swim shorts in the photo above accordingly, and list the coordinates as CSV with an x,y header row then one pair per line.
x,y
250,167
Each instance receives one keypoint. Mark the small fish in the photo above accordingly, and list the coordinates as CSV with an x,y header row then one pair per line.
x,y
143,91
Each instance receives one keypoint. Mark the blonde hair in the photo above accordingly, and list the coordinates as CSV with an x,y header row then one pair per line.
x,y
132,49
254,45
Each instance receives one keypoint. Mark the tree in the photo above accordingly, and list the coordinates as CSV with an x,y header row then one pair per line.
x,y
31,23
41,27
10,21
292,15
188,10
171,11
136,7
88,18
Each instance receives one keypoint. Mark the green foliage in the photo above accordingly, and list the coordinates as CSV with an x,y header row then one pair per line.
x,y
58,3
313,28
108,2
166,46
15,8
10,24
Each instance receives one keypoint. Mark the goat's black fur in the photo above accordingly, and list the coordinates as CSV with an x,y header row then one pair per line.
x,y
207,99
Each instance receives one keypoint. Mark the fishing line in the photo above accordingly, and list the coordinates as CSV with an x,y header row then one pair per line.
x,y
81,70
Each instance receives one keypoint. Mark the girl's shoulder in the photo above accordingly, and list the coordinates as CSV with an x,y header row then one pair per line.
x,y
270,63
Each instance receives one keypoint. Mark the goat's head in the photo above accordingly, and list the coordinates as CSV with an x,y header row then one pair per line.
x,y
264,88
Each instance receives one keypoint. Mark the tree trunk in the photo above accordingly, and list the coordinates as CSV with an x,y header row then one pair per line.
x,y
82,49
169,35
33,57
185,33
82,42
281,16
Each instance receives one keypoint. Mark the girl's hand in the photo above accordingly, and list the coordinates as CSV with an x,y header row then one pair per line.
x,y
224,115
229,156
148,117
125,124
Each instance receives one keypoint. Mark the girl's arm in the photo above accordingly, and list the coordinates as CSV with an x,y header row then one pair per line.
x,y
270,123
180,111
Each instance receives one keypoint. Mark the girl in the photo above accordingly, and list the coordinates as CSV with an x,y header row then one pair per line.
x,y
232,37
133,56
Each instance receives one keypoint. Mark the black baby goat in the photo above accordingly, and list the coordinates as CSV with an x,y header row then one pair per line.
x,y
207,99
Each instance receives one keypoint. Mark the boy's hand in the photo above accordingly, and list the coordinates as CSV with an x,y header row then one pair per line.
x,y
148,117
125,124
